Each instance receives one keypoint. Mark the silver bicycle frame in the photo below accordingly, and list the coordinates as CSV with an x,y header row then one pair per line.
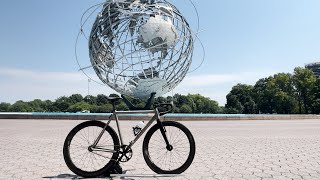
x,y
155,117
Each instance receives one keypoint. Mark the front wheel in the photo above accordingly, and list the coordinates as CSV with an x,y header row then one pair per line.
x,y
173,160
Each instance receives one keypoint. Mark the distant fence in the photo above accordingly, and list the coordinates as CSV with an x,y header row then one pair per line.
x,y
176,117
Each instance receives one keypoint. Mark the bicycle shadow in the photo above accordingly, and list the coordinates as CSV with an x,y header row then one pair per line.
x,y
73,176
64,176
113,176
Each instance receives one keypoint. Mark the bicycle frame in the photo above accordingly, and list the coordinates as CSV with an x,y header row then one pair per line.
x,y
155,117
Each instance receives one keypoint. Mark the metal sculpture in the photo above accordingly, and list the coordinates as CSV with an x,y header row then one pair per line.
x,y
139,47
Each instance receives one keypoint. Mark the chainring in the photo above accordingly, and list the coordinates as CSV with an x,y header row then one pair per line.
x,y
125,153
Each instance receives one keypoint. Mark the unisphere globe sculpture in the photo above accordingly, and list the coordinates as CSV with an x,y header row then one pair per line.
x,y
138,47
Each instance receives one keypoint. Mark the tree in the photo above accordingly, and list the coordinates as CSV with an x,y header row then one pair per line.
x,y
62,104
4,107
37,105
80,106
102,99
75,98
90,99
20,106
241,99
264,95
284,100
107,108
233,105
304,81
316,100
284,103
185,108
201,104
122,106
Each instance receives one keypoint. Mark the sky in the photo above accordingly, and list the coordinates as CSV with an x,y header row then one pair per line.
x,y
244,41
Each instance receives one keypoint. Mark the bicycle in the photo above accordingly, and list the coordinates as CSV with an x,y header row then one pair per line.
x,y
92,148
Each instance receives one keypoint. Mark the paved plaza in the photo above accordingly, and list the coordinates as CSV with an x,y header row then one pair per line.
x,y
32,149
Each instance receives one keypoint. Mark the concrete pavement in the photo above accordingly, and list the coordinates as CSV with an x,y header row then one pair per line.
x,y
32,149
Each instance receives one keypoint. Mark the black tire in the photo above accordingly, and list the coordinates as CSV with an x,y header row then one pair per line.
x,y
81,133
153,153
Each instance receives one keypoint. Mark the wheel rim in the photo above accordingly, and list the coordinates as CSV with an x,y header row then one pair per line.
x,y
84,158
169,160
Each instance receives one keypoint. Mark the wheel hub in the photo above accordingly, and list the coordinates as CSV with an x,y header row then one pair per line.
x,y
90,149
170,148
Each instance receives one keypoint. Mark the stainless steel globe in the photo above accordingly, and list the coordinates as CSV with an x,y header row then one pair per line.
x,y
138,47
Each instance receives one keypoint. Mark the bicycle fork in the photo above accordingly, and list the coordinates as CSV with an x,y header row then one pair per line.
x,y
164,134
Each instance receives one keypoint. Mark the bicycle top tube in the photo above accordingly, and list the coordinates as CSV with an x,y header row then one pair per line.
x,y
136,112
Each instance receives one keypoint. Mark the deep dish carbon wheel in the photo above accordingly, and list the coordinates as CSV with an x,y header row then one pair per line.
x,y
164,161
81,159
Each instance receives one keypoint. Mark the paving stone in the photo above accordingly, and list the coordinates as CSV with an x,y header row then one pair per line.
x,y
261,150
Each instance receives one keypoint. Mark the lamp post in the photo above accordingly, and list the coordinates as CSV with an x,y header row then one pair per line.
x,y
89,80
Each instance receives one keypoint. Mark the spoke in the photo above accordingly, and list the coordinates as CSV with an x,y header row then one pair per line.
x,y
80,155
101,155
169,160
83,137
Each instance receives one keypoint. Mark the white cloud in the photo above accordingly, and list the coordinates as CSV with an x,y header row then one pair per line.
x,y
215,79
19,84
217,86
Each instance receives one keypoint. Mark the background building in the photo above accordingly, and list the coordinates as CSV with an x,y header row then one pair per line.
x,y
315,67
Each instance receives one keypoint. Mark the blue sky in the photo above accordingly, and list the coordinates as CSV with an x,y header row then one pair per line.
x,y
244,41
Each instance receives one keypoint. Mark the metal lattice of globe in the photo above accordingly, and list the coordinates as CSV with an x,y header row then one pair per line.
x,y
138,47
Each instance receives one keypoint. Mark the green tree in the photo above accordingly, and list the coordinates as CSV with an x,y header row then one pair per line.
x,y
316,100
263,94
20,106
122,106
4,107
102,99
75,98
90,99
37,105
201,104
107,108
49,106
241,98
304,81
284,100
61,104
80,106
185,108
233,105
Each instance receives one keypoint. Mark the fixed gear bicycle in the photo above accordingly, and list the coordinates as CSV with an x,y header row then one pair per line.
x,y
92,148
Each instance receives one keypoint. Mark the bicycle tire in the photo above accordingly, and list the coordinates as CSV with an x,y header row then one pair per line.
x,y
146,148
80,170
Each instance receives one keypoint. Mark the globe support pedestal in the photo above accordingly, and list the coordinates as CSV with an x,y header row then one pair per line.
x,y
146,107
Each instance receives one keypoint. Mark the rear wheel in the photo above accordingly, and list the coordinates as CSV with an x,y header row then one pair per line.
x,y
81,158
174,159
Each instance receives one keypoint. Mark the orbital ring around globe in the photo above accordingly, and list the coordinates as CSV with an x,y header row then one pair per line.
x,y
139,47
